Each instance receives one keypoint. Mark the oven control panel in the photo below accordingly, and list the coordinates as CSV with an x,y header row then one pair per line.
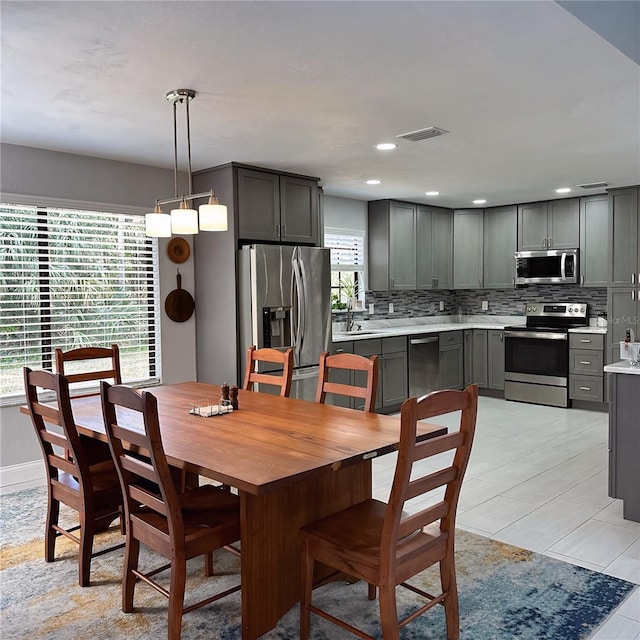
x,y
572,310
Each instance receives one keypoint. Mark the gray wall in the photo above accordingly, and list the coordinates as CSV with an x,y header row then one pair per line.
x,y
65,177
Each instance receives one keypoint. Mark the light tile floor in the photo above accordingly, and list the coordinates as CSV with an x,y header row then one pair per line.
x,y
537,479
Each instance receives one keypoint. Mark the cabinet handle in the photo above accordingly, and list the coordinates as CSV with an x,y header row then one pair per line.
x,y
339,350
585,388
633,278
581,280
501,337
550,243
277,231
393,282
544,243
584,362
284,230
633,294
585,340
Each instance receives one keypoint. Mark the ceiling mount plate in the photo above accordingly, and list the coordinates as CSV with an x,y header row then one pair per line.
x,y
180,95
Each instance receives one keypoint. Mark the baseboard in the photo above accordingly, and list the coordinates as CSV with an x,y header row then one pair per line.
x,y
22,476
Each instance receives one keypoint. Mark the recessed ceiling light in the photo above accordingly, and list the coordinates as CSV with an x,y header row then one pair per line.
x,y
431,193
563,190
386,146
374,181
479,201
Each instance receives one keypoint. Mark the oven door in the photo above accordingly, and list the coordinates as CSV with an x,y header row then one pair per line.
x,y
540,357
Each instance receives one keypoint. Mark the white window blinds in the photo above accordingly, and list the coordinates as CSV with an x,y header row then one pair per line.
x,y
72,278
347,249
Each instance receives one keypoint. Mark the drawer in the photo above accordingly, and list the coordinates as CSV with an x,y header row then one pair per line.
x,y
450,338
586,388
368,347
586,341
395,344
586,362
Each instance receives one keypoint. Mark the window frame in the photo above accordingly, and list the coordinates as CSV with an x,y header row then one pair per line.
x,y
358,270
148,307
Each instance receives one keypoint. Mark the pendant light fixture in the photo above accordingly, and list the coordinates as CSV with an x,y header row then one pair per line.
x,y
184,219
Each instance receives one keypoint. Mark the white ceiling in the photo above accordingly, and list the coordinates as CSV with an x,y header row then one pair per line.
x,y
532,97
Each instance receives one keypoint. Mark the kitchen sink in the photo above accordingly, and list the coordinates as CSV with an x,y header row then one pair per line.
x,y
360,332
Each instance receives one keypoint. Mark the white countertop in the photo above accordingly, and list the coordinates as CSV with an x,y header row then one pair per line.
x,y
411,326
623,366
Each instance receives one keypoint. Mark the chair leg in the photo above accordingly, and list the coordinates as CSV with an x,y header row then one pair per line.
x,y
176,596
306,575
449,586
53,513
132,552
87,526
389,612
208,564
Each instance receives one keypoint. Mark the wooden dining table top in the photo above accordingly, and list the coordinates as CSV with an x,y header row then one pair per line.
x,y
268,442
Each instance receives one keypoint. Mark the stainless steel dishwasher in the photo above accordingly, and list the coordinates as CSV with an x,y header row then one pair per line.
x,y
424,369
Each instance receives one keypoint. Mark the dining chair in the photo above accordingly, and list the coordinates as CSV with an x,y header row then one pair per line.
x,y
178,526
273,356
348,362
86,355
385,545
76,477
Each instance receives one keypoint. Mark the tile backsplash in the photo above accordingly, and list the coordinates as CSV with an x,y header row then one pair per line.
x,y
501,302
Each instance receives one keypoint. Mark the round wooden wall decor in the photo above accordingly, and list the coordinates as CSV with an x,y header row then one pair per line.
x,y
178,250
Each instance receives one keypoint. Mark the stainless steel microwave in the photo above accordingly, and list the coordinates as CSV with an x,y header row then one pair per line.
x,y
554,266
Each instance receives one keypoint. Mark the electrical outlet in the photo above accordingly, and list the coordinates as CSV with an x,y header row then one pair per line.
x,y
391,307
485,305
441,305
371,308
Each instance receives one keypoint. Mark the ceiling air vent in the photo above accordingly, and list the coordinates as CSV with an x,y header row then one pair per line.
x,y
422,134
593,185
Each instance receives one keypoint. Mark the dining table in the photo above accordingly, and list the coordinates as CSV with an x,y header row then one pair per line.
x,y
291,462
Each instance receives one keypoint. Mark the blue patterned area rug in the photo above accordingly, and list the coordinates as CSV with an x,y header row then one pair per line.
x,y
505,593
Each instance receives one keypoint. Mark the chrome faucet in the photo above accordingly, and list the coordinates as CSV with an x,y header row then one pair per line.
x,y
349,321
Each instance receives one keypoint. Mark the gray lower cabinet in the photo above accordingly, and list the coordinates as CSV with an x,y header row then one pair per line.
x,y
623,312
395,371
586,361
451,360
434,244
500,234
495,359
549,225
341,376
624,442
277,207
593,258
467,248
475,357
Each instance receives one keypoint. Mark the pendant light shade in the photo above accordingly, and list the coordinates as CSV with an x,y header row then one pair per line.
x,y
213,215
184,220
158,224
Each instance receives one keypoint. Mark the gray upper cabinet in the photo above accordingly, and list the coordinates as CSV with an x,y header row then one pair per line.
x,y
500,244
276,207
624,238
592,261
549,225
467,248
434,244
392,245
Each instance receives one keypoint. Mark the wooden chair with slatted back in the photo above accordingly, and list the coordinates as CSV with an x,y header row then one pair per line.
x,y
382,543
178,526
348,362
87,354
273,356
74,477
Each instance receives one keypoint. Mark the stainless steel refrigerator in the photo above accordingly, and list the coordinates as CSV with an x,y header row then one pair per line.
x,y
285,301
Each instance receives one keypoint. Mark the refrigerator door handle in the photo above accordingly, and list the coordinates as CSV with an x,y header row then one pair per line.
x,y
304,288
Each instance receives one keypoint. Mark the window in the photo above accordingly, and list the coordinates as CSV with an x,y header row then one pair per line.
x,y
347,267
71,278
